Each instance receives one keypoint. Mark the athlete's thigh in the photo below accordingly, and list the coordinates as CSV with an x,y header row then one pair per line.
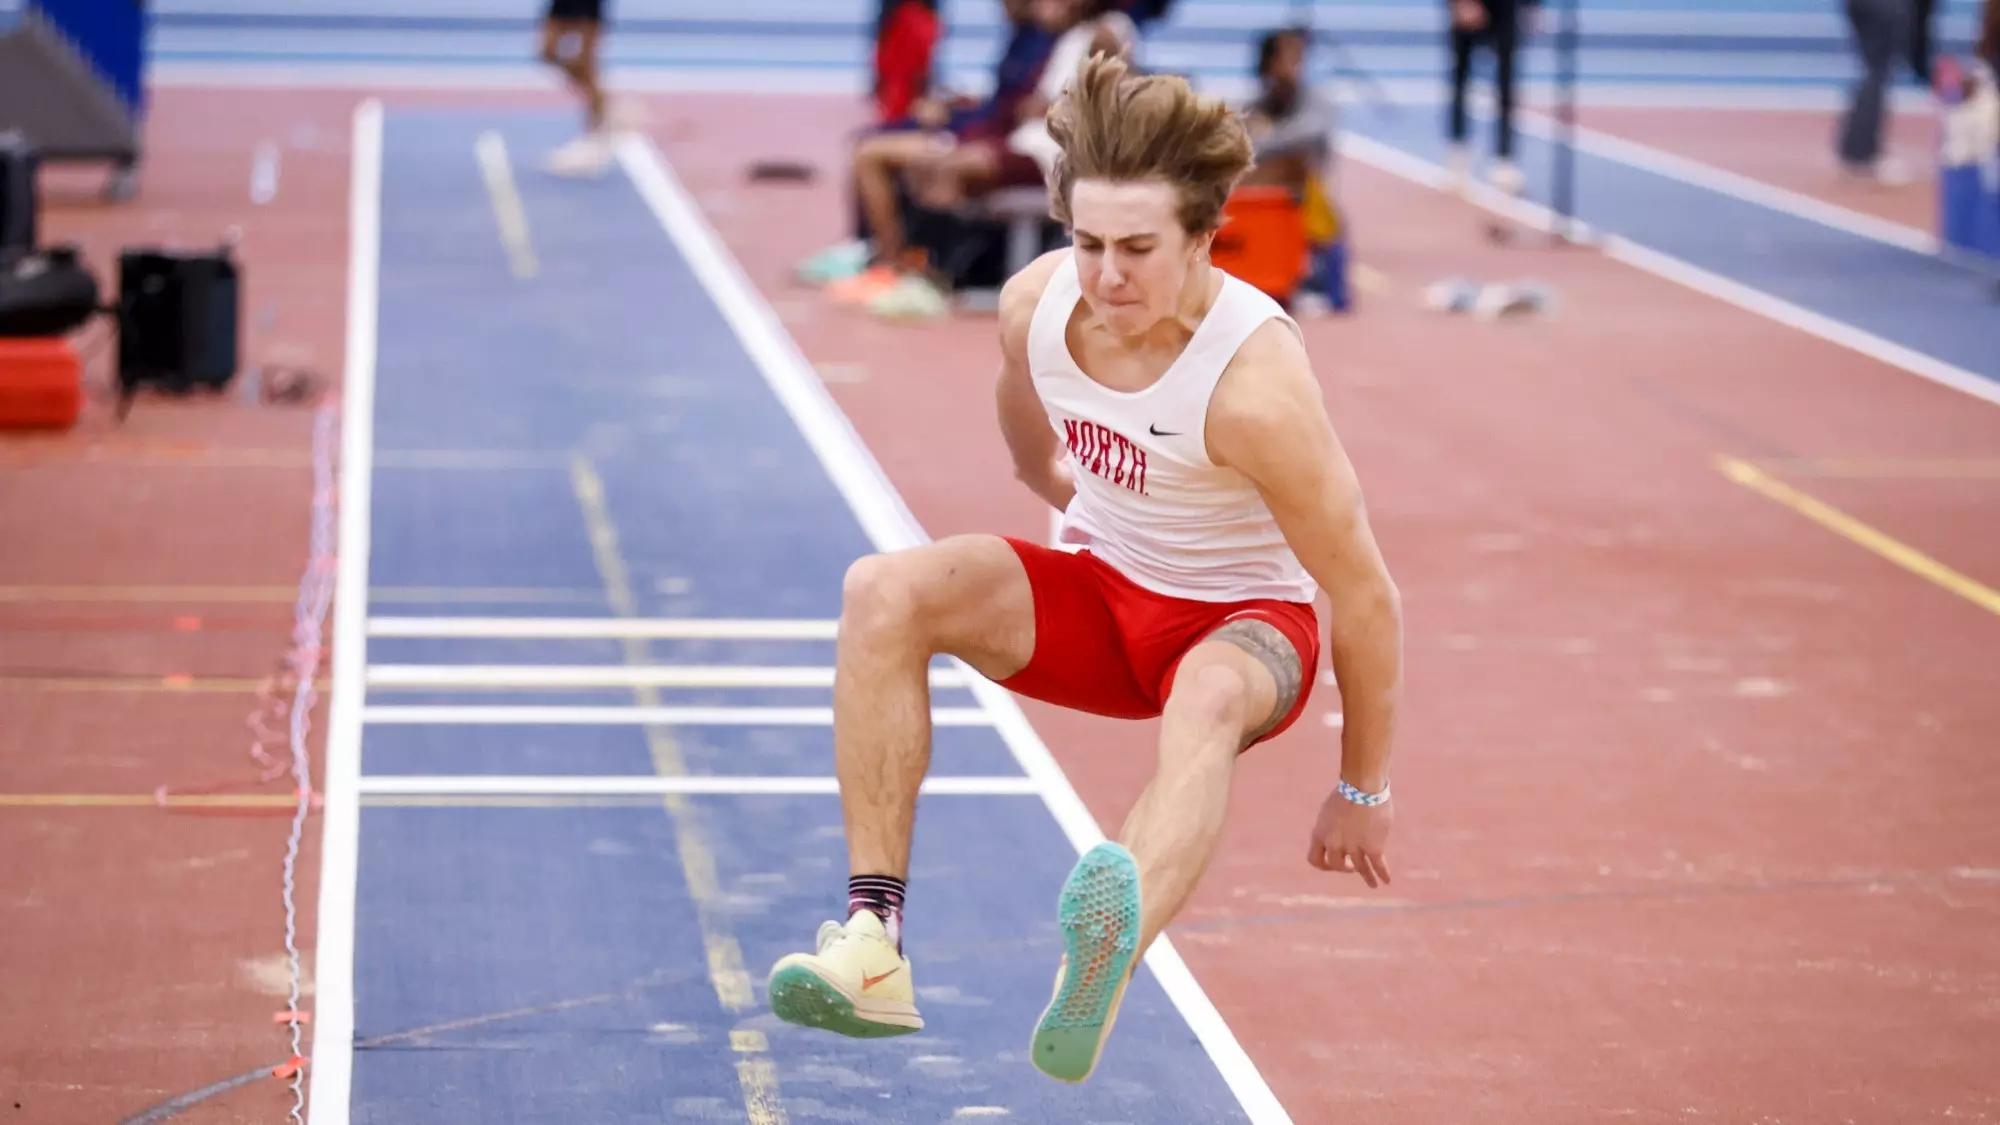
x,y
968,593
1026,616
1272,654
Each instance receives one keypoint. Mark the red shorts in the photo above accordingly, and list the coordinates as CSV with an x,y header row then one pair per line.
x,y
1107,646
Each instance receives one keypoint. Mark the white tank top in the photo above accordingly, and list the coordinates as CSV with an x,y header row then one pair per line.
x,y
1148,500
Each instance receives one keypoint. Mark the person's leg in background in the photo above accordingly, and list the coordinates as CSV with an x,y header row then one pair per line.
x,y
1922,41
876,185
579,66
1326,233
1882,38
1467,20
938,187
1504,36
1988,47
880,166
853,255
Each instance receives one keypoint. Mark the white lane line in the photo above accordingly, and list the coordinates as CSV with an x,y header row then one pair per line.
x,y
332,1066
498,173
658,785
475,715
618,676
1618,248
605,628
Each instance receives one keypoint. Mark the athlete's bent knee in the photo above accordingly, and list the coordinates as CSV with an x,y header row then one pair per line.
x,y
877,594
1215,698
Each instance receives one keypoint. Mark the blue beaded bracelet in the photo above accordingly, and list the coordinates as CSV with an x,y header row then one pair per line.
x,y
1361,798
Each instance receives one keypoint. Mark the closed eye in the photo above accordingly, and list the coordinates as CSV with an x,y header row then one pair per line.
x,y
1138,246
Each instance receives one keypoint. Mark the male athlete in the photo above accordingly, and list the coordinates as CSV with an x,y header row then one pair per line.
x,y
1169,410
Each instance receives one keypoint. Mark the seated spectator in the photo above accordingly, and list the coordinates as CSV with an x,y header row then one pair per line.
x,y
881,256
1024,156
1292,125
906,38
1101,29
1291,122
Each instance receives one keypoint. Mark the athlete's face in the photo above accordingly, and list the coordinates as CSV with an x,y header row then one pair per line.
x,y
1132,256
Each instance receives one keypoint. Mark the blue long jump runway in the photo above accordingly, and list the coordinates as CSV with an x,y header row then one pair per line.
x,y
570,922
1911,299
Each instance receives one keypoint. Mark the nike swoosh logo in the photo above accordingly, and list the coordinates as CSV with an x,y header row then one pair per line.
x,y
1156,431
868,982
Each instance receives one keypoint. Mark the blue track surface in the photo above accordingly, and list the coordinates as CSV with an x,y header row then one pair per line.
x,y
551,962
1909,298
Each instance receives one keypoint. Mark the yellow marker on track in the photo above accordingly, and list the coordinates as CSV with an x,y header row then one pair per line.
x,y
1853,530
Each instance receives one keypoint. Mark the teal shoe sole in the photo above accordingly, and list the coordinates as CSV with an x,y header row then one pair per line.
x,y
800,996
1098,913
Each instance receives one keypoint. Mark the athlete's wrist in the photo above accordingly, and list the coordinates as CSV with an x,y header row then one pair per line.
x,y
1364,790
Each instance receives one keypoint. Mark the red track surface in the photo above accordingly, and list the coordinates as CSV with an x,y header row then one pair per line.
x,y
144,949
170,546
1696,819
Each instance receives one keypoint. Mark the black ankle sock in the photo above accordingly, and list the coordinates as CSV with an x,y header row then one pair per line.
x,y
882,894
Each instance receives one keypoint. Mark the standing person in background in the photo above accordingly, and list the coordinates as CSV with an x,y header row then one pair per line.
x,y
1500,25
579,24
1882,30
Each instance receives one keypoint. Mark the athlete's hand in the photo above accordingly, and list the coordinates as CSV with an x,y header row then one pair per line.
x,y
1350,838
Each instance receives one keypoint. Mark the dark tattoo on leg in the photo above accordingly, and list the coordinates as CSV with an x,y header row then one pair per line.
x,y
1262,640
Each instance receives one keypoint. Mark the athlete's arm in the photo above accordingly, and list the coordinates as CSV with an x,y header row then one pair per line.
x,y
1038,458
1268,420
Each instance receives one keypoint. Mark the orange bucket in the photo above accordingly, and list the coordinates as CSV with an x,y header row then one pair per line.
x,y
1263,240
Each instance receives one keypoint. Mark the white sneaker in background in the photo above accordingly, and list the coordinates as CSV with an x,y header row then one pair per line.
x,y
1458,165
911,298
588,155
1892,172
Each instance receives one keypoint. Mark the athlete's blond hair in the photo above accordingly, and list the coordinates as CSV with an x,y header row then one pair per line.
x,y
1114,125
